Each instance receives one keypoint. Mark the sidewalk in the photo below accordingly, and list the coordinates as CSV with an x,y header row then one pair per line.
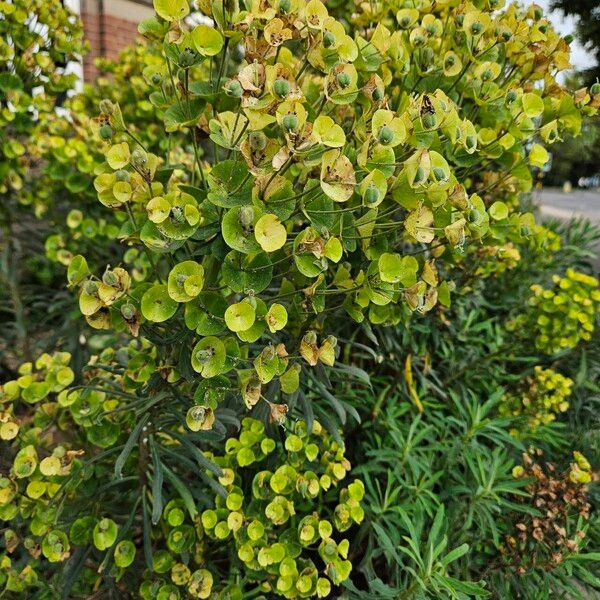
x,y
553,202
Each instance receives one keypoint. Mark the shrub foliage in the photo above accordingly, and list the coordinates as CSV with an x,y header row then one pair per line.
x,y
297,239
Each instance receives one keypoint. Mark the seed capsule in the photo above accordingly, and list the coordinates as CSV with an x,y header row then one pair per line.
x,y
420,174
186,58
281,87
106,131
90,288
343,80
328,39
128,311
246,216
122,175
258,140
386,135
109,278
234,88
107,107
290,122
429,121
138,157
439,174
474,216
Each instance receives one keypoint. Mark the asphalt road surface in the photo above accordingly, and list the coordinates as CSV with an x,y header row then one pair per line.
x,y
556,203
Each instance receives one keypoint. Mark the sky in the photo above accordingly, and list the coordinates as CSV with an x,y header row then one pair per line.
x,y
580,58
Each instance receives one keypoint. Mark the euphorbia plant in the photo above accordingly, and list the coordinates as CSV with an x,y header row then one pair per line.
x,y
334,167
38,39
338,169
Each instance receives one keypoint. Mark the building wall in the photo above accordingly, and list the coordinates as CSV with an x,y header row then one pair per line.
x,y
110,25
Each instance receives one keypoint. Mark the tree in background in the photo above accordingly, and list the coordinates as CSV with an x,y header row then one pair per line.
x,y
573,158
587,13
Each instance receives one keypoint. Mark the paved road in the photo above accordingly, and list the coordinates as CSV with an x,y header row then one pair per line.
x,y
555,203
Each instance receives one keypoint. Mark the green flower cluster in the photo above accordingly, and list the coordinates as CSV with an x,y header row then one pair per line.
x,y
277,503
315,185
61,146
37,40
275,517
564,315
541,398
49,374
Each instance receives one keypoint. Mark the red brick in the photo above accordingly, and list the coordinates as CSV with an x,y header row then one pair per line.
x,y
107,37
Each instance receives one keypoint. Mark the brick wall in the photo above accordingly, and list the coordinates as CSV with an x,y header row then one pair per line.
x,y
110,25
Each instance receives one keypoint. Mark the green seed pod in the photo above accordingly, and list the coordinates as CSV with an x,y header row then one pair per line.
x,y
507,35
511,96
405,21
200,418
176,214
371,194
439,174
90,288
156,78
471,141
429,120
281,87
186,58
595,89
285,5
180,279
122,175
246,216
290,122
487,75
476,28
107,107
110,278
378,94
234,88
128,311
474,216
106,131
343,79
257,140
328,39
138,157
568,38
427,56
543,28
525,230
420,175
386,135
